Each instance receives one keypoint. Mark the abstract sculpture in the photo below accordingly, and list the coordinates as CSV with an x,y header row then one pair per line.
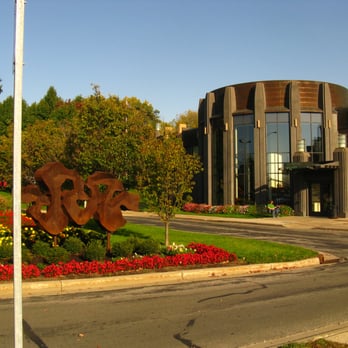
x,y
61,196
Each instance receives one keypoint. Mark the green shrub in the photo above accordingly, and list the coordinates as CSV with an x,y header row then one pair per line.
x,y
123,249
74,245
148,247
252,210
84,234
135,245
285,210
6,251
95,250
3,204
57,254
41,248
27,256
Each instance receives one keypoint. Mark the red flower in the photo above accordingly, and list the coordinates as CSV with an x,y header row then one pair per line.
x,y
204,254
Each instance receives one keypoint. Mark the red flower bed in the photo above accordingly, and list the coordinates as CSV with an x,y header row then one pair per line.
x,y
6,219
203,255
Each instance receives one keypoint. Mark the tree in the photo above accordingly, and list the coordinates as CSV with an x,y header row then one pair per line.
x,y
47,104
6,155
108,134
189,118
6,114
166,178
43,142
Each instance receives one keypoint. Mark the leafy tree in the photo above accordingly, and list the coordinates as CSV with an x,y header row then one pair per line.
x,y
43,142
6,155
166,178
6,114
189,118
44,109
108,133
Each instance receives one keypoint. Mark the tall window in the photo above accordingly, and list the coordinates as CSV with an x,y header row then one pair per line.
x,y
244,158
278,153
312,133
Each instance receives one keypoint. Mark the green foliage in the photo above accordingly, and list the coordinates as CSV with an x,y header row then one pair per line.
x,y
74,245
27,256
189,118
3,204
6,115
166,177
6,156
285,210
43,142
134,245
108,134
41,248
95,250
6,250
57,254
148,247
50,254
123,249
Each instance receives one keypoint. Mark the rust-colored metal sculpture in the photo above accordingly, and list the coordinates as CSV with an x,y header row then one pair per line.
x,y
62,195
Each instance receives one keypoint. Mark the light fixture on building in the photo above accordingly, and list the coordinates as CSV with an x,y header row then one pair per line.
x,y
342,140
301,145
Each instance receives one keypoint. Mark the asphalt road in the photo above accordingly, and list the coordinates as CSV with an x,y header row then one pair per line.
x,y
260,310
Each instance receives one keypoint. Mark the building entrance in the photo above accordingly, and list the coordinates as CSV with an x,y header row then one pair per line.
x,y
321,200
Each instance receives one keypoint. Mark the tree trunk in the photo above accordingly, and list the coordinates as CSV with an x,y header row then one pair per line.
x,y
166,226
108,242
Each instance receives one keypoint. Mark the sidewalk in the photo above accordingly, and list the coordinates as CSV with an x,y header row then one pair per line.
x,y
293,222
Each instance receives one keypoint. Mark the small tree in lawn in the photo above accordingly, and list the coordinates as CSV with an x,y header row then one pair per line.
x,y
166,179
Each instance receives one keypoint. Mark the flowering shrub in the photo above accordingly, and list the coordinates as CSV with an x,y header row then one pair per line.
x,y
31,233
175,249
215,209
202,255
6,219
233,209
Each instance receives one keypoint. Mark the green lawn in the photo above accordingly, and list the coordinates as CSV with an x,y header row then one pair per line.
x,y
252,251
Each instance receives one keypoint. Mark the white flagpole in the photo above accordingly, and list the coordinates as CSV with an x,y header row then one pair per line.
x,y
17,174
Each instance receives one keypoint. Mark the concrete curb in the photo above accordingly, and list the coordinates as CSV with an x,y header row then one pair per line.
x,y
68,286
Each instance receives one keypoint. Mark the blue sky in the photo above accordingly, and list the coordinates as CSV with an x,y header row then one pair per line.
x,y
172,52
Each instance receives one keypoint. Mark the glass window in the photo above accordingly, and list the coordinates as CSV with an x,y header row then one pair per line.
x,y
278,153
244,158
311,127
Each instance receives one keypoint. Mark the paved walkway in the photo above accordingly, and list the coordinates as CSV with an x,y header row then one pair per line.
x,y
293,222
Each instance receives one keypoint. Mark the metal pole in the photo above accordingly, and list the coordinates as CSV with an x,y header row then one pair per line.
x,y
17,174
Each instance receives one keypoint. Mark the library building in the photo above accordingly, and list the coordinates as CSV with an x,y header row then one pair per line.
x,y
283,140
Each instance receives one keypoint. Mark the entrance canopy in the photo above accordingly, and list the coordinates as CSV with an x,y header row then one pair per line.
x,y
311,166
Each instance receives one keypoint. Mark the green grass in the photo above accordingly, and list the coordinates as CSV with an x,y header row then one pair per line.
x,y
250,250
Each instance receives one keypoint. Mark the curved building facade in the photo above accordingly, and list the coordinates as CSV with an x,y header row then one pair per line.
x,y
281,140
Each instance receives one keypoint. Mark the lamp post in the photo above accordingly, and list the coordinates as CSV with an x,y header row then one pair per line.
x,y
245,143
